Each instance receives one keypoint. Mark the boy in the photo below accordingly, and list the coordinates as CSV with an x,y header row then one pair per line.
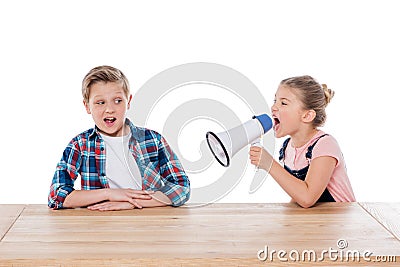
x,y
121,166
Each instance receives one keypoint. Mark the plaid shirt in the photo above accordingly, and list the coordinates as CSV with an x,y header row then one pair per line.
x,y
85,155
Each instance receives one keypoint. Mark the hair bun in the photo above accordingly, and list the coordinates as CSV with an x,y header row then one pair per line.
x,y
328,93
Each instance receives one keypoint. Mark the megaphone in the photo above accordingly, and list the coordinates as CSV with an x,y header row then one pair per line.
x,y
225,145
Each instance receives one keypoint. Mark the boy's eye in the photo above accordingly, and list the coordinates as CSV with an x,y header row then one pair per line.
x,y
100,102
117,101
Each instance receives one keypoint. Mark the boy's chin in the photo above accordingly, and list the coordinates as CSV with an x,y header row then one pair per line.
x,y
110,132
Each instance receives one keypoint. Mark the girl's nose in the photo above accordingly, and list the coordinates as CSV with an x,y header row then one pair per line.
x,y
274,107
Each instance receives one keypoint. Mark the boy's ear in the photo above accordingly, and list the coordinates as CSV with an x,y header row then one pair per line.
x,y
87,107
129,101
309,115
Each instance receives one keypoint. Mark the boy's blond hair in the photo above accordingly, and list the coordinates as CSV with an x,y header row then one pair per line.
x,y
103,74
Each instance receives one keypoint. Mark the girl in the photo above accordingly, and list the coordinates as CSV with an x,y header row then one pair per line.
x,y
314,169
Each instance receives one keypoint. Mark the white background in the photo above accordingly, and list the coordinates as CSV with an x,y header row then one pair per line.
x,y
47,47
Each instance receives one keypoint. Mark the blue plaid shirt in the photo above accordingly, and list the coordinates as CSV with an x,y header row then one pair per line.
x,y
85,155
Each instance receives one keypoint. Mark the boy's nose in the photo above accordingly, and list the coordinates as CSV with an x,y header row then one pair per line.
x,y
109,108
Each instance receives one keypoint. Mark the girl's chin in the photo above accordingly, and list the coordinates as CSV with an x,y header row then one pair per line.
x,y
278,134
278,131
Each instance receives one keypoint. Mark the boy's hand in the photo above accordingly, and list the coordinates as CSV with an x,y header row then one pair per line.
x,y
128,195
112,205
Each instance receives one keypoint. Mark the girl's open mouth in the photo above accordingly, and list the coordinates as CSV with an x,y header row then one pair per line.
x,y
276,124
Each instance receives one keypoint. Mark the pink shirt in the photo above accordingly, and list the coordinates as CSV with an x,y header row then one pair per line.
x,y
339,185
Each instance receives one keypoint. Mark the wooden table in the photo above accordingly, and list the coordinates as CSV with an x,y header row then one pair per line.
x,y
8,215
388,214
212,235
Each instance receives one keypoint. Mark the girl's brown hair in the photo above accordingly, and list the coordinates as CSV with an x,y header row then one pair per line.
x,y
313,95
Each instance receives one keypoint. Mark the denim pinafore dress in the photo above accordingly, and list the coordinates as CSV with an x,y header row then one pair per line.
x,y
302,173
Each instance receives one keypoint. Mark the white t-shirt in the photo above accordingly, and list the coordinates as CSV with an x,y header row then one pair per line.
x,y
121,168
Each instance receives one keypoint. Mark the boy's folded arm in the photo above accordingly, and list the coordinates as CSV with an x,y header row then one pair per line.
x,y
158,199
82,198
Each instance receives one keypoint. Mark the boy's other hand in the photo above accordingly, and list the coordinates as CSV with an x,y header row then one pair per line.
x,y
128,195
112,205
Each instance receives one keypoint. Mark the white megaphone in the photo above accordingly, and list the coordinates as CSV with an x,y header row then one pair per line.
x,y
225,145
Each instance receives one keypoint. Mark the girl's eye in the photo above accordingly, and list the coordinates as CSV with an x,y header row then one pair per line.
x,y
284,103
100,102
117,101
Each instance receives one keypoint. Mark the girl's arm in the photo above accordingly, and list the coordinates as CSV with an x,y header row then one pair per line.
x,y
305,193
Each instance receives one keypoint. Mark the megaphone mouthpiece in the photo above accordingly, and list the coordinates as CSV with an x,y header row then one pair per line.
x,y
265,120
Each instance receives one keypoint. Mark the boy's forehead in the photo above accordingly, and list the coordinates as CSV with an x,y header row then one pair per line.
x,y
116,84
115,93
106,88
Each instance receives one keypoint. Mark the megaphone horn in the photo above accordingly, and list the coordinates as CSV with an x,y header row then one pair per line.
x,y
225,145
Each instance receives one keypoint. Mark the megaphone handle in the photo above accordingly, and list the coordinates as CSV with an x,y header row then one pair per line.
x,y
257,142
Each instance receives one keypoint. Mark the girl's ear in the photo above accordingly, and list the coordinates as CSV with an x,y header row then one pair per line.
x,y
309,115
86,107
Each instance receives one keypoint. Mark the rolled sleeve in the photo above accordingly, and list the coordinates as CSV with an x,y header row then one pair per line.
x,y
64,177
176,193
58,195
176,183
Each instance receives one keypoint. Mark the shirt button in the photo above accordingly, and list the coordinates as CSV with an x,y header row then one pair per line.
x,y
103,174
102,148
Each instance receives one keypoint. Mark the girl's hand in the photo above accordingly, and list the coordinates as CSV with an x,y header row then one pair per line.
x,y
112,205
260,157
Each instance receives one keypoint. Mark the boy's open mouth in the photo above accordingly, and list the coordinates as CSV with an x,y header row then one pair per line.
x,y
110,120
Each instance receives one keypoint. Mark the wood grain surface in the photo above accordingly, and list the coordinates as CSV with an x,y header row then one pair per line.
x,y
8,215
212,235
388,214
